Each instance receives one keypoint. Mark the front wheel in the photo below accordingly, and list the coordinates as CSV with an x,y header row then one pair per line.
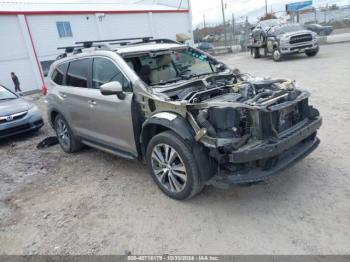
x,y
172,165
277,56
312,52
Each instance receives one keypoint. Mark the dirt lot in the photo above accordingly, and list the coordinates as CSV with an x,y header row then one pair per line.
x,y
92,202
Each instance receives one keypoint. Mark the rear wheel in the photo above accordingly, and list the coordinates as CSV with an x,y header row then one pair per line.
x,y
256,52
69,143
172,165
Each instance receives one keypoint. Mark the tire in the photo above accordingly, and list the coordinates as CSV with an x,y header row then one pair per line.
x,y
68,142
180,183
276,55
256,52
312,52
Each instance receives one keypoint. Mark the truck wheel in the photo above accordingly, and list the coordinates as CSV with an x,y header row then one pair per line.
x,y
68,142
276,55
312,52
172,165
256,53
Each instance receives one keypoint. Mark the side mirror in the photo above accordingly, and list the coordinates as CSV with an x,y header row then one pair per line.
x,y
112,88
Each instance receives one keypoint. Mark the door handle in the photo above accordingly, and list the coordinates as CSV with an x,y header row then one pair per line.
x,y
63,95
92,102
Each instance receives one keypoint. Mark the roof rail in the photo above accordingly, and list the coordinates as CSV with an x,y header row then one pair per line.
x,y
158,41
69,49
79,49
89,43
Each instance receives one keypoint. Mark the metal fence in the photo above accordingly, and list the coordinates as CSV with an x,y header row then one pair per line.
x,y
238,32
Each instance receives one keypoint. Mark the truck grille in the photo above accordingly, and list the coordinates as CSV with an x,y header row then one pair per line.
x,y
300,39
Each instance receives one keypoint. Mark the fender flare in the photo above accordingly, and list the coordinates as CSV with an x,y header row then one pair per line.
x,y
167,120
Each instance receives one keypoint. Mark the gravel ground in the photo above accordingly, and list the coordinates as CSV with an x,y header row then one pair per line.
x,y
95,203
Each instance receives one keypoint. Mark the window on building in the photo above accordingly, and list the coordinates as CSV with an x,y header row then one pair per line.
x,y
64,29
105,71
58,74
77,74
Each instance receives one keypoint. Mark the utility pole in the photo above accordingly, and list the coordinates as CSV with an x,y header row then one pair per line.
x,y
265,8
233,27
204,26
223,19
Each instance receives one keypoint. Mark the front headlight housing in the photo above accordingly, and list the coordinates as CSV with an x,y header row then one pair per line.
x,y
284,40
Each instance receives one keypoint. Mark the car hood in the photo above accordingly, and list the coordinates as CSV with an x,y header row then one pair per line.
x,y
13,106
299,32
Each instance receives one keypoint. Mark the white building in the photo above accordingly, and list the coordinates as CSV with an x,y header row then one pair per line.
x,y
31,32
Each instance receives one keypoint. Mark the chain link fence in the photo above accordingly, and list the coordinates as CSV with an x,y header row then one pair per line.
x,y
238,32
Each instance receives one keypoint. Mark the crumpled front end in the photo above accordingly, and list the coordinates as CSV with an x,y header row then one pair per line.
x,y
256,130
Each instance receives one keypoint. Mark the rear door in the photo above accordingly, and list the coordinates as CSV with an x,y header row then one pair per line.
x,y
110,120
76,95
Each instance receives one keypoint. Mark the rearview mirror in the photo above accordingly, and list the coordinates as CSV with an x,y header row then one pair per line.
x,y
112,88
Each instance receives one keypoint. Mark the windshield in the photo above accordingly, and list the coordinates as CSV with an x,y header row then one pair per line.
x,y
269,23
5,94
171,66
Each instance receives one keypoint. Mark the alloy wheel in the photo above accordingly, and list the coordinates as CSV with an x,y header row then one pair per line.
x,y
169,168
62,133
276,55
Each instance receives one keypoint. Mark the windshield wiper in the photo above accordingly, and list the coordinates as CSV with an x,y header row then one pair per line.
x,y
187,77
169,81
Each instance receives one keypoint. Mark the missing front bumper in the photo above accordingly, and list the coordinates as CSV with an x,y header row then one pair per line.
x,y
291,146
286,159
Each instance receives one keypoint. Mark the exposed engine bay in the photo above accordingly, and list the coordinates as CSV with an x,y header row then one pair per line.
x,y
245,128
239,106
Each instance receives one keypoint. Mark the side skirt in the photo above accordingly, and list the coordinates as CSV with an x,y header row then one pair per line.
x,y
109,149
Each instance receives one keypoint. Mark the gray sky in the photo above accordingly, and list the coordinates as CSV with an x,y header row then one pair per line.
x,y
212,8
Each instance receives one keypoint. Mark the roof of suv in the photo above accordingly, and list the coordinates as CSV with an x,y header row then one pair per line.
x,y
147,47
122,49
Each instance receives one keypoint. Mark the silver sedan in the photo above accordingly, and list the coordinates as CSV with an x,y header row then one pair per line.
x,y
17,115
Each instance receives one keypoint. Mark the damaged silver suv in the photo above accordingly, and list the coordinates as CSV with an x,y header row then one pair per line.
x,y
193,120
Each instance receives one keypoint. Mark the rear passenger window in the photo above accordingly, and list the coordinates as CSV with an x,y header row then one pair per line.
x,y
58,74
77,74
105,71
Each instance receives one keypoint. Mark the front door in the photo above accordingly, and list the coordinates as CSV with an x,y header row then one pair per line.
x,y
110,120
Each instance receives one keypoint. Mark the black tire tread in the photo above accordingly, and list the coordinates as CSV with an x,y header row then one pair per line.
x,y
186,153
75,144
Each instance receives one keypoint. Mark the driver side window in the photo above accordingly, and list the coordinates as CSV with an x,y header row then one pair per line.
x,y
105,71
